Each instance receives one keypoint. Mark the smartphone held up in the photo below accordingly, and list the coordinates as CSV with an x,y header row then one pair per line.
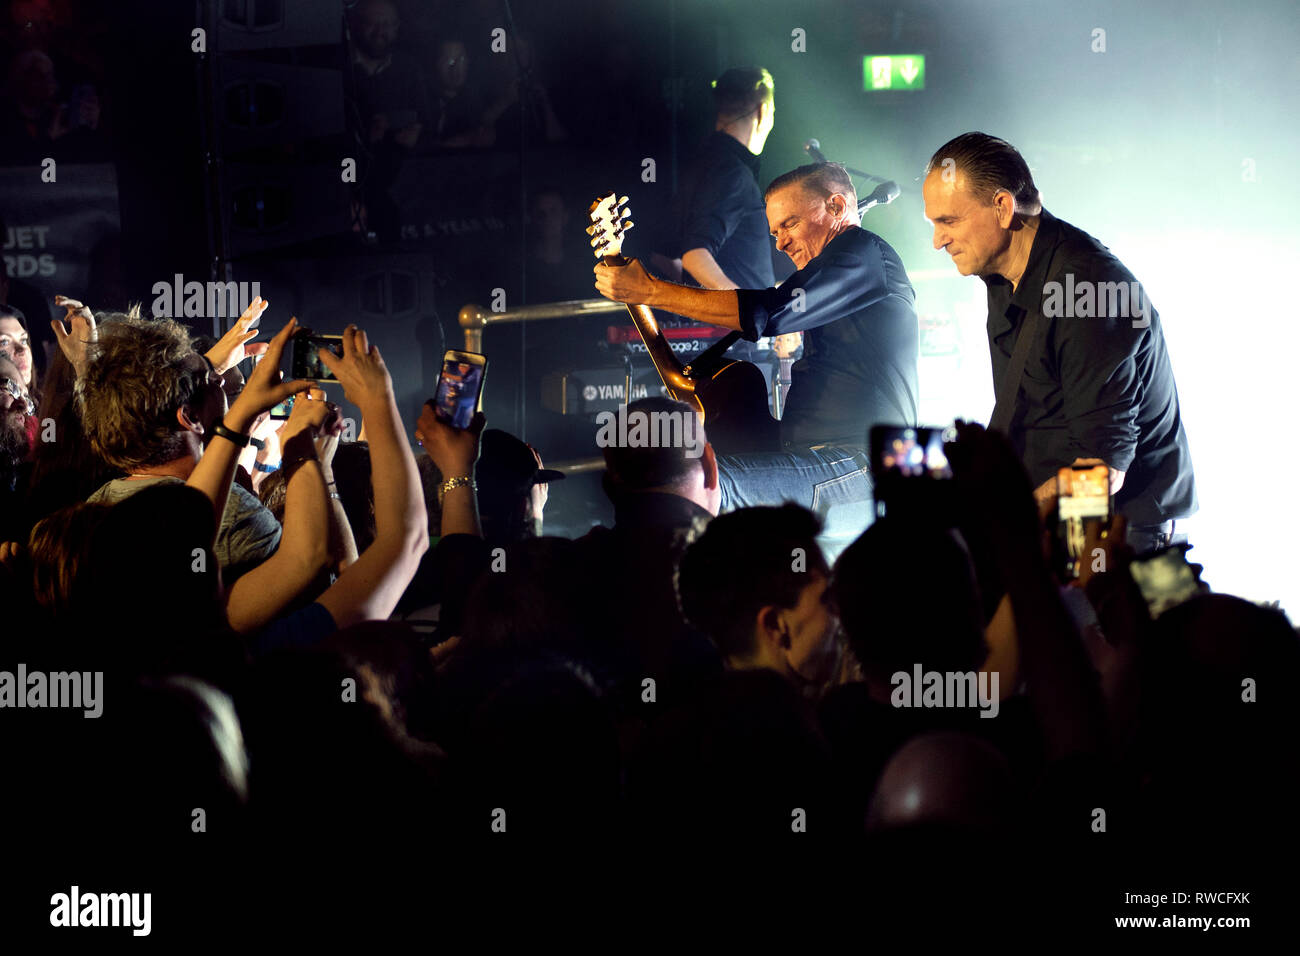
x,y
306,363
908,466
460,387
1082,496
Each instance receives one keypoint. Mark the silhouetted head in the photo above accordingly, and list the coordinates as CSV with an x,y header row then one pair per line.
x,y
906,595
943,778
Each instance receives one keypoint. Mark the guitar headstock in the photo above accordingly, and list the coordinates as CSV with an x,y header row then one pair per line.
x,y
609,225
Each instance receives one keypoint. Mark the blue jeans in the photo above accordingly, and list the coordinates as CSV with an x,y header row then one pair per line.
x,y
834,481
1145,538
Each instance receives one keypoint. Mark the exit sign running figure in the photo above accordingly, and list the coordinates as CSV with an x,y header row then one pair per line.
x,y
899,71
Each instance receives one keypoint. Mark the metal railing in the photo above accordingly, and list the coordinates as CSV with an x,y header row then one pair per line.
x,y
474,318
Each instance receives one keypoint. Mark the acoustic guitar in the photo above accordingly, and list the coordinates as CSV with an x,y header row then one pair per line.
x,y
731,395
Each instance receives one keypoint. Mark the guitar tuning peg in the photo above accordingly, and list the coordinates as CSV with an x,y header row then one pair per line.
x,y
623,201
591,230
627,225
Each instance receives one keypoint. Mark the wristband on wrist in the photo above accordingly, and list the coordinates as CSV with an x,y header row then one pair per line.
x,y
264,468
291,465
221,431
257,443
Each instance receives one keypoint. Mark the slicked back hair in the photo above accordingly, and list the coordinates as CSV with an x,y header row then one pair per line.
x,y
818,179
136,378
739,92
989,165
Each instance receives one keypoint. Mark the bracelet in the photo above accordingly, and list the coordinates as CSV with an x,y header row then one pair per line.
x,y
264,468
457,482
221,431
336,496
291,465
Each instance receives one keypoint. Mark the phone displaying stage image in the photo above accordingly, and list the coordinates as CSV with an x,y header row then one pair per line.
x,y
460,387
282,411
306,363
1082,495
909,452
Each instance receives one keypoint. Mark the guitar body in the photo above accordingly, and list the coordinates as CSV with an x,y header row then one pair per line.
x,y
730,395
736,418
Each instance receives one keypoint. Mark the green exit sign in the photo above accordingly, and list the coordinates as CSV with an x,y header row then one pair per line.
x,y
897,71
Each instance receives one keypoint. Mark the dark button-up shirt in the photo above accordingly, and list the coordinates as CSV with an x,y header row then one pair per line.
x,y
1097,381
857,311
719,207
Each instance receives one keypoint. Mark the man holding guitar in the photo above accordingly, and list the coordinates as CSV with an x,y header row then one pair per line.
x,y
852,300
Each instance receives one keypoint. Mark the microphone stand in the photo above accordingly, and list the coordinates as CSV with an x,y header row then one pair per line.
x,y
815,151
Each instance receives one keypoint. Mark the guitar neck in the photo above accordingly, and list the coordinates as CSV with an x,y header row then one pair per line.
x,y
669,367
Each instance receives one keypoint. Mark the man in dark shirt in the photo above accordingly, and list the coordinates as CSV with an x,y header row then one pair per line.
x,y
722,235
852,298
659,495
391,108
389,87
1097,382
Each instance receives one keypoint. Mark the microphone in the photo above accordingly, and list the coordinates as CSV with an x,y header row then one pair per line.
x,y
882,195
814,149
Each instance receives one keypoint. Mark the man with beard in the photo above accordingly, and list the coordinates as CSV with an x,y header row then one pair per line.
x,y
388,94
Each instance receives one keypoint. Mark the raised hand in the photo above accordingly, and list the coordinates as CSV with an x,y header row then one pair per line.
x,y
360,370
453,450
78,335
308,414
233,347
264,389
1106,540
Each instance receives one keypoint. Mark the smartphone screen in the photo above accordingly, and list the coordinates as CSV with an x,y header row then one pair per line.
x,y
1166,579
281,411
909,452
460,387
306,361
1082,495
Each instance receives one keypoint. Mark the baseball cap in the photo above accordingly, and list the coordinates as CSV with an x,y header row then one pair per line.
x,y
506,466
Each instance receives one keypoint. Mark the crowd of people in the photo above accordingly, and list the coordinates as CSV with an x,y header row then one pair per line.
x,y
324,651
308,641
